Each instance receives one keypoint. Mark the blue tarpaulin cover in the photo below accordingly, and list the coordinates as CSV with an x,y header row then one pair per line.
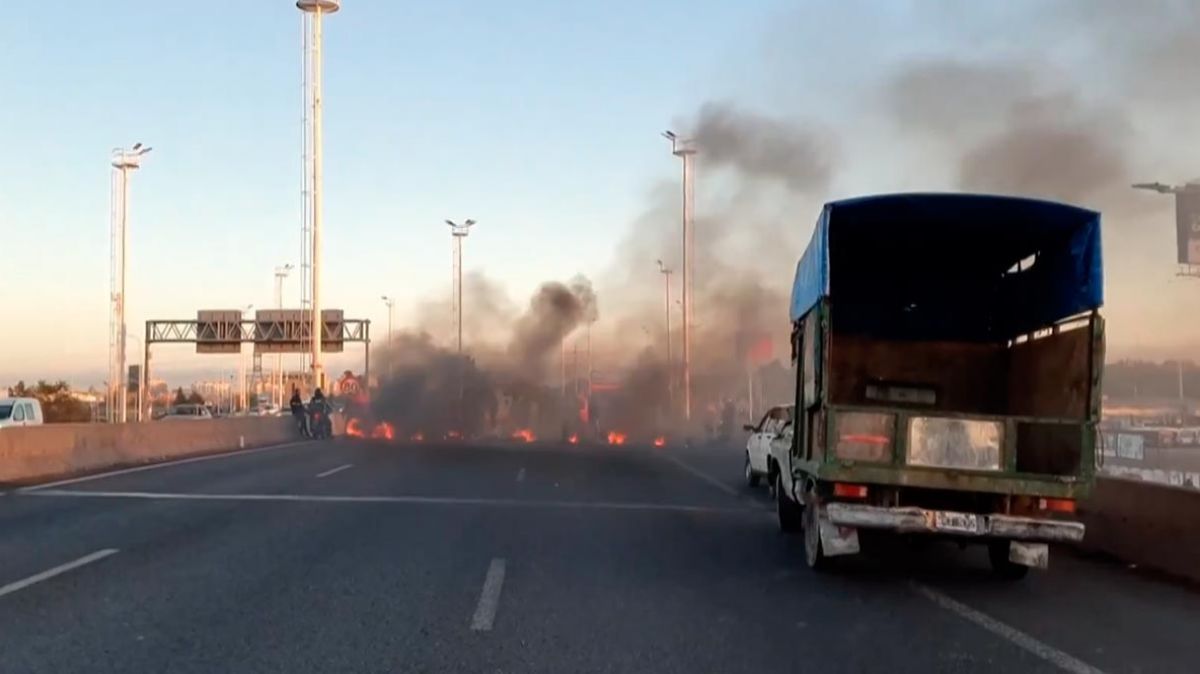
x,y
950,266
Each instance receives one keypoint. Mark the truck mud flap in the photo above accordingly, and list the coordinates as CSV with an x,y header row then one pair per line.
x,y
1036,555
837,540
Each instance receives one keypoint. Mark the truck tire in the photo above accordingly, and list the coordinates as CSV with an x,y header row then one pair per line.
x,y
814,553
1002,566
752,477
788,511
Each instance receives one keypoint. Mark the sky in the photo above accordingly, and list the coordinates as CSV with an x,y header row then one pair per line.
x,y
540,120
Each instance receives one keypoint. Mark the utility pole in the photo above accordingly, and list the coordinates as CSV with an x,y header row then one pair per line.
x,y
685,149
123,161
313,12
390,302
280,274
666,273
458,233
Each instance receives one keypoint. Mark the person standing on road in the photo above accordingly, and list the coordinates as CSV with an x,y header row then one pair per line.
x,y
297,406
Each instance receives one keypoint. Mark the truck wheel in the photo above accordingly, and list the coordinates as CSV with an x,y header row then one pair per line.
x,y
814,554
751,476
788,511
1002,566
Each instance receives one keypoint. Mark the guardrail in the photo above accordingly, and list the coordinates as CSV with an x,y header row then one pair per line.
x,y
1150,524
39,453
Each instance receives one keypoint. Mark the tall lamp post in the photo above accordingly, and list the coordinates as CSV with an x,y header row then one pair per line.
x,y
666,274
458,233
242,388
280,274
685,149
313,11
123,162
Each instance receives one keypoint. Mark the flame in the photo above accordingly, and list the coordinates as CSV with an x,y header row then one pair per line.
x,y
353,429
574,439
418,437
383,430
660,441
524,435
616,438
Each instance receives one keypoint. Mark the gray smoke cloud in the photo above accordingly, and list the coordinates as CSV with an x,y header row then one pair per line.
x,y
762,147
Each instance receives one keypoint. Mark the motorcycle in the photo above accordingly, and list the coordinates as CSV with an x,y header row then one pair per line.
x,y
320,426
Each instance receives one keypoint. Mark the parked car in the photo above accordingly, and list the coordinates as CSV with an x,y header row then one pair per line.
x,y
758,445
20,412
188,413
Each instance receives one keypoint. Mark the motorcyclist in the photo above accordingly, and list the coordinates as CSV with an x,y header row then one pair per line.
x,y
318,404
298,411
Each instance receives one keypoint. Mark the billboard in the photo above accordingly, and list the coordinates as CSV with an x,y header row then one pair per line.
x,y
1187,224
289,330
219,331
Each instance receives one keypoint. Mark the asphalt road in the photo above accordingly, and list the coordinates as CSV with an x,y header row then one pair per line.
x,y
349,556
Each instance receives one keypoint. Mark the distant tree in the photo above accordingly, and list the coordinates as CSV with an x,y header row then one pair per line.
x,y
195,398
58,404
19,391
180,397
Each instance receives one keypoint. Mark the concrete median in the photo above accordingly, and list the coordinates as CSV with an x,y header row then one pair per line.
x,y
1152,525
43,452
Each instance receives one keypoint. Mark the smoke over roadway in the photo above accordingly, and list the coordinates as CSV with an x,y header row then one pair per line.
x,y
958,119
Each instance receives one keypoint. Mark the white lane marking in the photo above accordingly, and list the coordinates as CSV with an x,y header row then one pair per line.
x,y
1048,653
164,464
60,569
429,500
339,469
521,475
702,475
489,598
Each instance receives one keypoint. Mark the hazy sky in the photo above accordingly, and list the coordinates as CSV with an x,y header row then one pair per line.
x,y
539,119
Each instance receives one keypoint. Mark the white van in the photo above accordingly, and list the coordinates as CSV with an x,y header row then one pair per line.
x,y
20,412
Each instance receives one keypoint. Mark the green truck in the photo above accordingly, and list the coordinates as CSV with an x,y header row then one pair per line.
x,y
948,350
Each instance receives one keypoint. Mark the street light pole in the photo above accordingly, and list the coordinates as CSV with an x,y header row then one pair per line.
x,y
685,149
123,161
458,232
280,274
314,10
390,302
242,388
666,273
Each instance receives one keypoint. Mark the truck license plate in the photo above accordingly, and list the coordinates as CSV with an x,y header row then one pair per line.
x,y
963,523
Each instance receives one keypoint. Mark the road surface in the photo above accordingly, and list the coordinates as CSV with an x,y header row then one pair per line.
x,y
368,557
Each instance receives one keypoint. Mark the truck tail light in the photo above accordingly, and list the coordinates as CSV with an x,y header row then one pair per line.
x,y
864,436
1058,505
843,490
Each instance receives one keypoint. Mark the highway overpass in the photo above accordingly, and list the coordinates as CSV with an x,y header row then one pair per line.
x,y
368,556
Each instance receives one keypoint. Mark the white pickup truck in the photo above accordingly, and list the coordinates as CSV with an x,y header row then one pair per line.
x,y
758,445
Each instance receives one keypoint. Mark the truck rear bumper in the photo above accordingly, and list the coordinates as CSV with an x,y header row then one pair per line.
x,y
920,520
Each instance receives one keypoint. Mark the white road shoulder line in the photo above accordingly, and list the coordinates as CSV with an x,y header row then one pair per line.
x,y
702,475
163,464
489,598
339,469
521,475
427,500
1048,653
60,569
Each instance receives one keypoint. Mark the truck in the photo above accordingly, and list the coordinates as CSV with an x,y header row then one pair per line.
x,y
948,352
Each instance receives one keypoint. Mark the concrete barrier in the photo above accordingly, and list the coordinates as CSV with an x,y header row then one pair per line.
x,y
1153,525
39,453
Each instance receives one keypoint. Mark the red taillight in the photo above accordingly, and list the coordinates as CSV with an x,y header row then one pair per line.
x,y
1058,505
843,490
864,439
